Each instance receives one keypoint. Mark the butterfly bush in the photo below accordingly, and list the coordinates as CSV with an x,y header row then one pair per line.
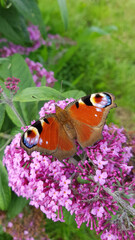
x,y
97,185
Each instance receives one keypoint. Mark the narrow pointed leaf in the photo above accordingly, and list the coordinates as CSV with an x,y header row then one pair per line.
x,y
5,191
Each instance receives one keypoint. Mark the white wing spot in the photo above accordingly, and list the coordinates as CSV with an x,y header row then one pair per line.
x,y
40,141
95,115
99,110
46,142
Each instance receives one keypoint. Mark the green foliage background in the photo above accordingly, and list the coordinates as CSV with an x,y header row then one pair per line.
x,y
103,59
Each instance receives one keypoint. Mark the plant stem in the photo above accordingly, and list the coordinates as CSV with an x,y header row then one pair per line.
x,y
118,199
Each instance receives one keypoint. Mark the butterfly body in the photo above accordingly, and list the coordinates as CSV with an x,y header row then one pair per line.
x,y
81,120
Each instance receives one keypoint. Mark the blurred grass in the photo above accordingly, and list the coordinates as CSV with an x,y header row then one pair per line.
x,y
102,62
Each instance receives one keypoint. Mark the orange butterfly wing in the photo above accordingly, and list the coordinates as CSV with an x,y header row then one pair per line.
x,y
48,136
88,115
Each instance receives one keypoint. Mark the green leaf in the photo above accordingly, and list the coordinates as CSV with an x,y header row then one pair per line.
x,y
16,205
38,94
74,94
2,114
5,191
13,116
20,69
43,81
16,33
5,69
64,12
17,67
3,3
31,12
29,111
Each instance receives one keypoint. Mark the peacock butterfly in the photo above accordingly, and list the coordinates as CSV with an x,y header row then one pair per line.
x,y
81,120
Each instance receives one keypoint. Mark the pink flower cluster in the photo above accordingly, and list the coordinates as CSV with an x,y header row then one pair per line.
x,y
38,71
10,48
81,188
11,84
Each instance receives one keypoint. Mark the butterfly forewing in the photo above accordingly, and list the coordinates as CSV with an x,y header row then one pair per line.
x,y
88,115
48,136
42,136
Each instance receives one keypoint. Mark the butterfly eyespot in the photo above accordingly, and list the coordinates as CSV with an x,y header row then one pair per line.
x,y
101,100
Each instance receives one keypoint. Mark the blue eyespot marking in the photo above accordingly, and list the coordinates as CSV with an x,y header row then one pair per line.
x,y
109,100
28,142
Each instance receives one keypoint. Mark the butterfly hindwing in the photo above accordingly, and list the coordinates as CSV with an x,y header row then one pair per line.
x,y
66,145
88,115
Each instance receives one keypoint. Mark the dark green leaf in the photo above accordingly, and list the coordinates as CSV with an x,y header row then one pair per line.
x,y
16,33
5,191
64,12
30,11
5,236
16,205
15,130
38,94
